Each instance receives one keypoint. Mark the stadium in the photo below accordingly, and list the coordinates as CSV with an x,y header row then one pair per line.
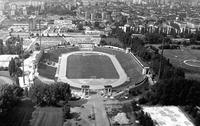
x,y
92,65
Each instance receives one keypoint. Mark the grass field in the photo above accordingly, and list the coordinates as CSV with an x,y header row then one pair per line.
x,y
19,116
112,41
47,116
177,58
25,114
53,55
5,78
90,65
46,71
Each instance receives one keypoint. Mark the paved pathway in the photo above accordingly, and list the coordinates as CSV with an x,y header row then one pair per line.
x,y
99,110
93,106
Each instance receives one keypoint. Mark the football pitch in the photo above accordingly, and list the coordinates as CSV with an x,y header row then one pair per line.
x,y
182,58
85,66
177,58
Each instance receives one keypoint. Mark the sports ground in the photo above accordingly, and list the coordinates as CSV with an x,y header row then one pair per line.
x,y
186,58
92,68
102,66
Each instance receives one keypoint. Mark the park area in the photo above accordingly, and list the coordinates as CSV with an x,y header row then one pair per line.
x,y
46,71
90,66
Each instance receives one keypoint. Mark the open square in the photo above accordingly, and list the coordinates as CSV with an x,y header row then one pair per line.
x,y
90,65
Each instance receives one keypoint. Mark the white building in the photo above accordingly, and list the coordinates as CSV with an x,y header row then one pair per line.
x,y
30,70
12,12
93,32
19,27
25,3
24,11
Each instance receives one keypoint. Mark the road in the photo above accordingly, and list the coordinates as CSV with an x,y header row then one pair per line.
x,y
99,110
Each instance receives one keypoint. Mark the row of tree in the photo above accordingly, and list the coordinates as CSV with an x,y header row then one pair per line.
x,y
176,91
14,45
14,67
50,95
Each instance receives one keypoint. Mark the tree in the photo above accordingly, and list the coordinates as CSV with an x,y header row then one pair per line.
x,y
103,42
44,94
66,111
9,96
37,46
1,46
193,96
197,119
11,67
80,27
177,91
